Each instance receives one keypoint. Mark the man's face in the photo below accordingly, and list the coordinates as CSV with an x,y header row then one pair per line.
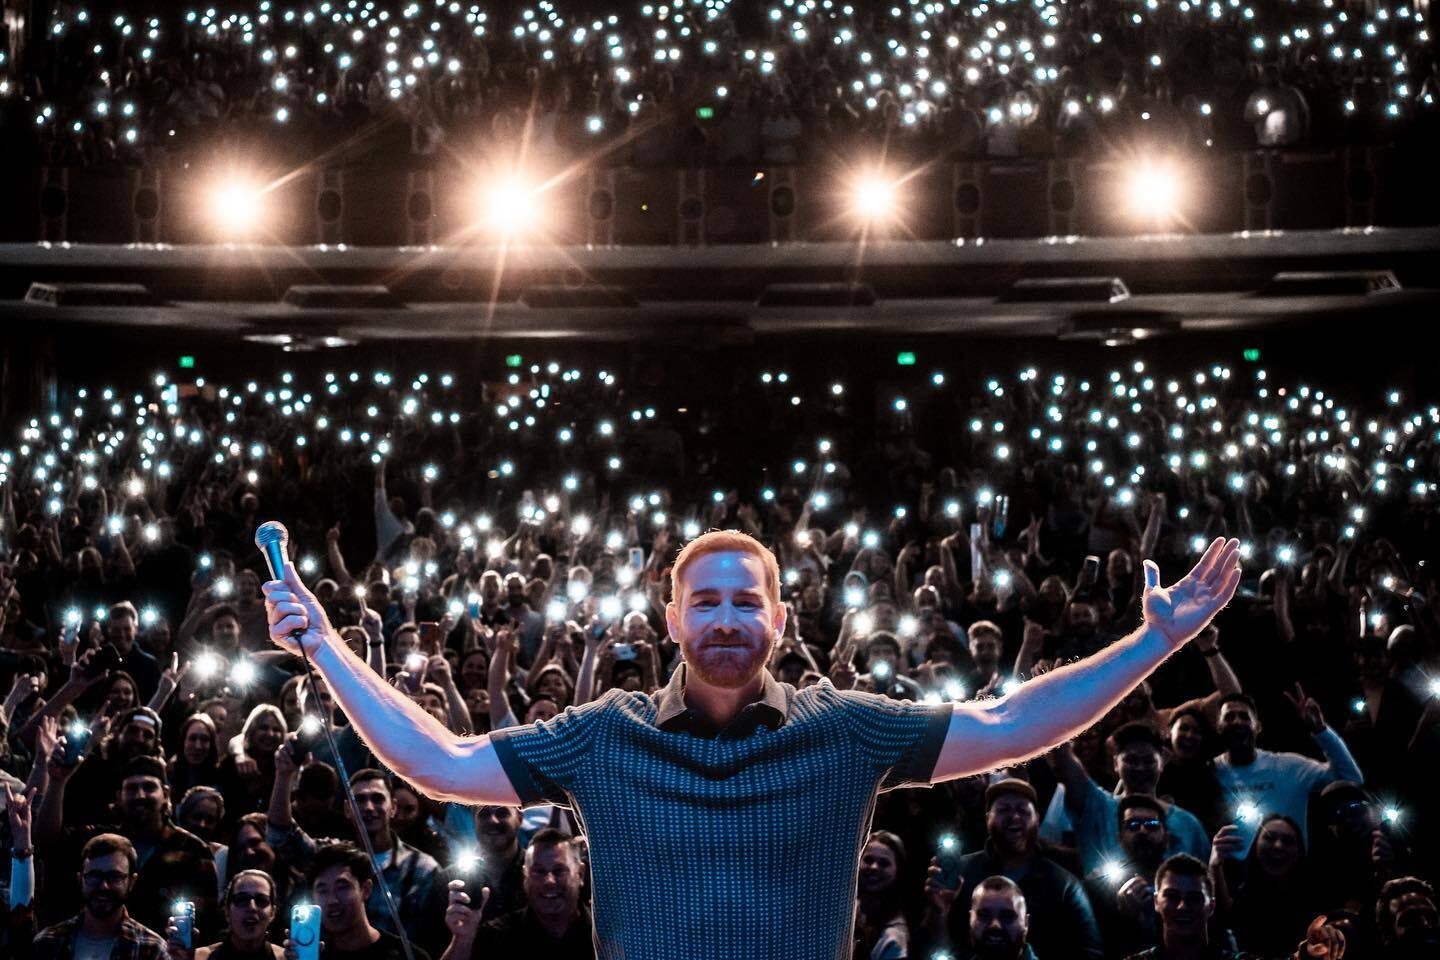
x,y
376,805
138,739
406,643
724,620
1083,619
515,590
105,884
120,630
1012,824
1138,766
489,589
985,649
1356,819
998,924
142,799
1183,905
251,852
1416,918
225,632
1238,726
1143,837
1187,738
341,899
552,881
496,827
877,868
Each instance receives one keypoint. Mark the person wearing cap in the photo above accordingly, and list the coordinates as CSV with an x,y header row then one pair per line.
x,y
1355,846
1062,923
171,863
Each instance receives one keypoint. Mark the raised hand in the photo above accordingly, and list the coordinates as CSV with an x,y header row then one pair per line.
x,y
289,605
461,919
1308,709
940,896
1183,609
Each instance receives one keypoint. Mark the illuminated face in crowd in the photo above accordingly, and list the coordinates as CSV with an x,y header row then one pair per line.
x,y
878,868
724,619
497,827
199,745
1012,823
120,630
999,923
225,633
1184,905
250,908
1277,848
1138,766
552,880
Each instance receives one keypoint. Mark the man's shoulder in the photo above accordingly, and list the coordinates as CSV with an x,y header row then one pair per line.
x,y
57,932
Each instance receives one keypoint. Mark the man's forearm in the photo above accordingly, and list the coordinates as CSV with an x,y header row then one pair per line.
x,y
460,948
1050,709
396,729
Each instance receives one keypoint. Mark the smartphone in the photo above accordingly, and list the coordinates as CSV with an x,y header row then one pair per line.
x,y
77,736
1090,571
624,651
184,917
430,638
305,931
1002,514
107,659
948,856
415,672
637,558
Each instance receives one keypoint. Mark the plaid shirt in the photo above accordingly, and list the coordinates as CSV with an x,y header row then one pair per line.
x,y
736,844
132,942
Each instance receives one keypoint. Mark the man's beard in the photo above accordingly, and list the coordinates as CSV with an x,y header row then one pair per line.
x,y
1238,739
997,949
103,906
731,668
1026,842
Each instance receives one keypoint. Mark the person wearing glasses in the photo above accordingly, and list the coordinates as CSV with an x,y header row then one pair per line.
x,y
1184,900
1122,888
249,908
102,928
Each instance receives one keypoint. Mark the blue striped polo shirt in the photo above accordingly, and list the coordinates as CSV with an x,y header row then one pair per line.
x,y
737,844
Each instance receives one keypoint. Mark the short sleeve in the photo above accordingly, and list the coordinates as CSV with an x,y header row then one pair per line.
x,y
901,737
546,759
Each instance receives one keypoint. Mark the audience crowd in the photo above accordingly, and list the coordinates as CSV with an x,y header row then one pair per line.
x,y
713,83
500,551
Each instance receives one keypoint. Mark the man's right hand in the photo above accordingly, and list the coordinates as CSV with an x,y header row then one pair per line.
x,y
939,896
1227,845
461,919
78,674
289,606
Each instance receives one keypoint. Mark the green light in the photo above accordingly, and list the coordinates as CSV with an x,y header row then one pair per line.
x,y
705,113
187,362
513,360
905,358
1252,354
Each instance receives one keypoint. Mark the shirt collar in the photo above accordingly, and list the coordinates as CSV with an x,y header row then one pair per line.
x,y
771,710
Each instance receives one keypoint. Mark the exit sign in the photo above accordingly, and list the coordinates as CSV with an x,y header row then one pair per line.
x,y
906,358
187,362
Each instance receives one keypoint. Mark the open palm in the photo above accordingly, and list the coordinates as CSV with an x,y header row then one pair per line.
x,y
1183,609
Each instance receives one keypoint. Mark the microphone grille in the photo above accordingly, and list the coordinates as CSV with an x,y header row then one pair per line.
x,y
271,531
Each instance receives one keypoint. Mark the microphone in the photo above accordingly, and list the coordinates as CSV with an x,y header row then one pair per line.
x,y
272,538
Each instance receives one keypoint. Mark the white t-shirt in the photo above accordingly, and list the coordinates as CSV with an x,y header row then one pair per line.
x,y
87,949
1283,782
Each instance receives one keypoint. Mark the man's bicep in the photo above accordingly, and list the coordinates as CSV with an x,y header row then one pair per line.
x,y
476,776
977,741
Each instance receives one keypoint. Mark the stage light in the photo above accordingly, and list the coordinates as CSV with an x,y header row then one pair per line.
x,y
874,197
236,206
1154,191
510,205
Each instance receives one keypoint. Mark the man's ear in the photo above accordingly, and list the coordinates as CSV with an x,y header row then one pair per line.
x,y
781,613
672,618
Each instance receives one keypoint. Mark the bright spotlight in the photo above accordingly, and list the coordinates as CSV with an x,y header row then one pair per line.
x,y
510,205
874,198
236,206
1154,191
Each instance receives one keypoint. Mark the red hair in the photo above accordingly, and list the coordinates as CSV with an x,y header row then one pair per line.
x,y
723,541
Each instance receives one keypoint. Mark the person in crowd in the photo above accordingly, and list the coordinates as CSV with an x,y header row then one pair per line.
x,y
1122,888
881,929
249,906
1139,761
197,762
408,873
103,927
1407,920
999,922
341,881
552,923
1184,903
1060,915
1277,782
1270,897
